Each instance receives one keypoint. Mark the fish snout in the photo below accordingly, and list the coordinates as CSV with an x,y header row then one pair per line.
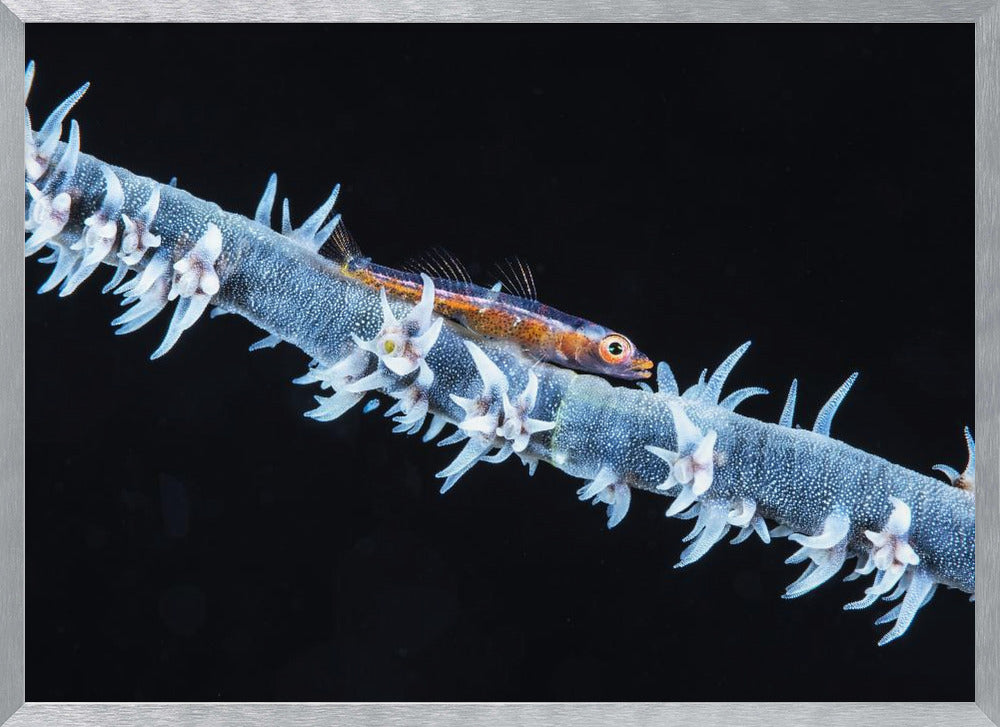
x,y
642,366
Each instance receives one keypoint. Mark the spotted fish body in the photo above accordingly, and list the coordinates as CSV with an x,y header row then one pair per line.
x,y
542,331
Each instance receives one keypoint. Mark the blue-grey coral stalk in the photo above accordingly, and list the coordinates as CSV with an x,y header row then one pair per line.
x,y
723,470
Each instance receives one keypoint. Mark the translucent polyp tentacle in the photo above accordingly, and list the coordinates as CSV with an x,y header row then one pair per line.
x,y
919,592
345,377
967,479
500,455
308,233
454,438
377,379
757,525
63,260
266,204
286,218
494,381
739,396
195,282
434,428
51,131
743,514
694,392
479,425
788,412
348,373
666,383
157,268
473,451
39,148
864,566
313,233
709,529
29,77
121,270
269,341
827,551
713,388
147,305
835,529
33,168
331,407
825,417
607,488
970,467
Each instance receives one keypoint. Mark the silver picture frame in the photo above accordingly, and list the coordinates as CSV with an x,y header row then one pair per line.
x,y
986,708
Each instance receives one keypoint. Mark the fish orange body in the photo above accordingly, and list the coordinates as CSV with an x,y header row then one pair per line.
x,y
539,329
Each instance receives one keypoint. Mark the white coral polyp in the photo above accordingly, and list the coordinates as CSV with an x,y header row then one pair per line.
x,y
693,463
609,489
344,374
47,216
517,427
101,228
890,547
692,466
492,420
136,240
194,274
509,421
137,237
402,345
343,377
891,553
97,240
826,551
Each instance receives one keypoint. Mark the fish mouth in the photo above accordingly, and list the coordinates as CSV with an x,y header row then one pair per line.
x,y
641,369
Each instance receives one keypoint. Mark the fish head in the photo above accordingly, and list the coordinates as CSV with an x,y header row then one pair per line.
x,y
612,354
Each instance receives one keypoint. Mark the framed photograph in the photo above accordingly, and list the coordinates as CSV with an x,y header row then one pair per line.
x,y
471,247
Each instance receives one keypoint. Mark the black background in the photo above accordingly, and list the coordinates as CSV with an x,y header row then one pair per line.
x,y
191,536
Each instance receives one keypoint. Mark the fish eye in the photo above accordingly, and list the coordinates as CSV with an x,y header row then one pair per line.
x,y
615,348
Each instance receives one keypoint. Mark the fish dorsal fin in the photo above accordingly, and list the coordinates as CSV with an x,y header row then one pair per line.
x,y
341,245
438,263
518,277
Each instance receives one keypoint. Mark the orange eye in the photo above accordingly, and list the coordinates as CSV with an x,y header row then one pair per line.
x,y
615,349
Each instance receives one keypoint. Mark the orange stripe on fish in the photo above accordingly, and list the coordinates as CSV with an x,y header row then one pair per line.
x,y
540,330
